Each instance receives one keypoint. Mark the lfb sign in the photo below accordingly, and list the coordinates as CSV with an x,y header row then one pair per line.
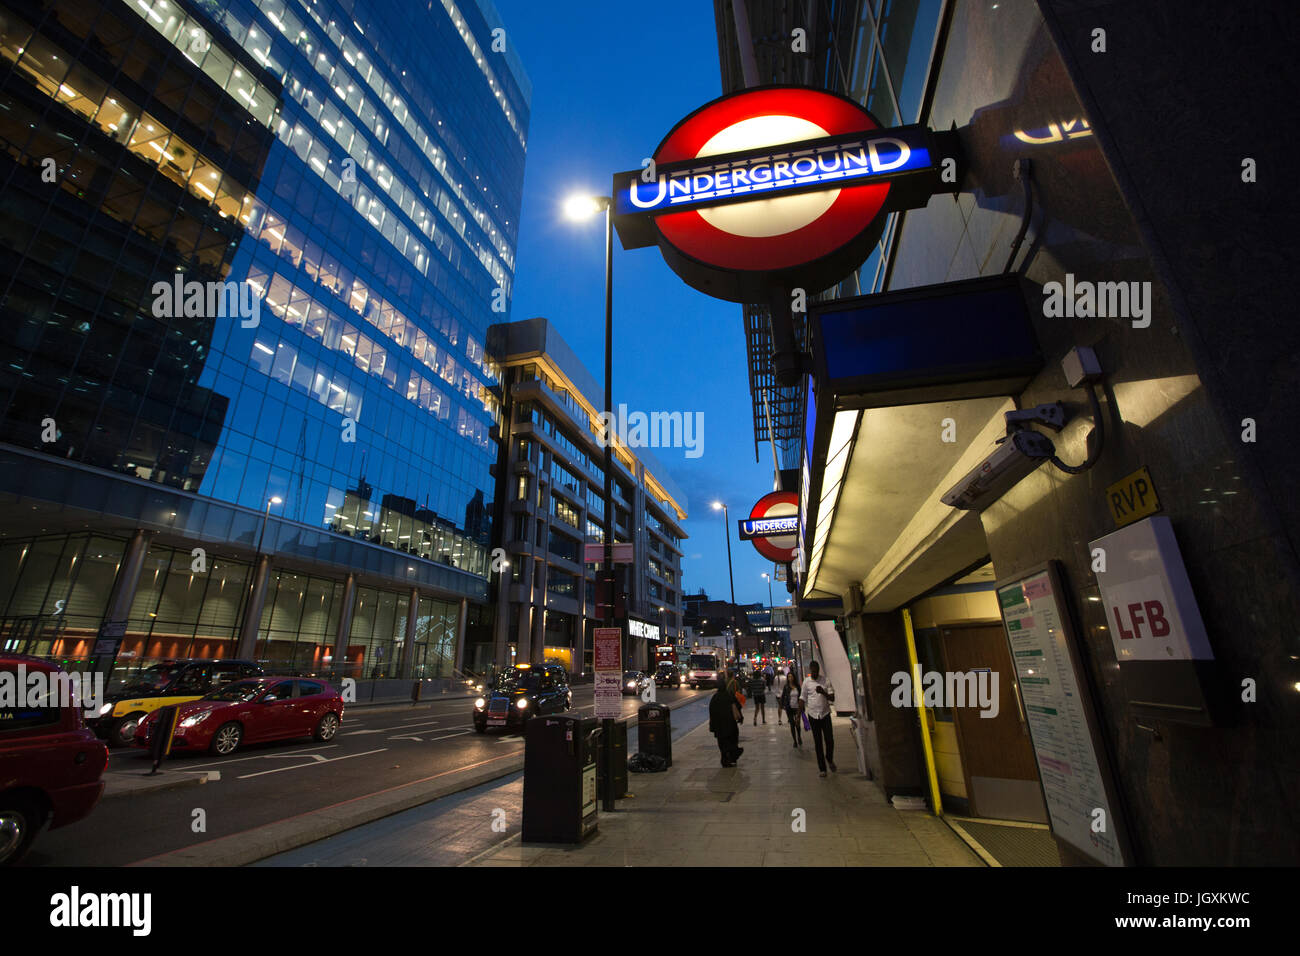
x,y
776,188
1151,612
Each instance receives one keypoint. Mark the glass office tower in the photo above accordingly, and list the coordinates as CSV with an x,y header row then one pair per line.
x,y
250,254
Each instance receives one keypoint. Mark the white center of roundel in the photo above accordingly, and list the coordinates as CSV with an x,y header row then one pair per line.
x,y
759,218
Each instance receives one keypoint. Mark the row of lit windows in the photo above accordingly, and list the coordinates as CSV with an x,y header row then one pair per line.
x,y
286,240
318,157
296,307
121,119
477,53
288,24
389,95
565,512
357,60
283,363
189,36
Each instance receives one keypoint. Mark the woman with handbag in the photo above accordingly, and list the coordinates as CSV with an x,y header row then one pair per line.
x,y
738,698
790,704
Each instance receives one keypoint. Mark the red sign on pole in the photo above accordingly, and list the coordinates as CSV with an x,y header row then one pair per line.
x,y
607,649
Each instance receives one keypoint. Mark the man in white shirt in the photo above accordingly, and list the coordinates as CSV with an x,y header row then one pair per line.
x,y
815,699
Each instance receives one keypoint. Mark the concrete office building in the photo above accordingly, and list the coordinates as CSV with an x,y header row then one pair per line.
x,y
550,504
250,253
1149,128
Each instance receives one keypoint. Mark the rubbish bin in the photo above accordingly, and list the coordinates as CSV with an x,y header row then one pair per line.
x,y
620,761
560,778
654,732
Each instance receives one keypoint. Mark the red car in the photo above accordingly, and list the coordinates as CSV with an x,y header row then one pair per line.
x,y
252,711
50,762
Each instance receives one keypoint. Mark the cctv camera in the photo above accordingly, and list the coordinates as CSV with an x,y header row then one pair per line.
x,y
1014,458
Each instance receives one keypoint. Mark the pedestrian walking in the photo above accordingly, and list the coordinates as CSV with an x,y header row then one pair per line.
x,y
769,676
815,699
790,704
737,693
758,691
722,724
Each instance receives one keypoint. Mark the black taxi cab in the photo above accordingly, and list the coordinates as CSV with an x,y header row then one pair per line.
x,y
161,685
521,692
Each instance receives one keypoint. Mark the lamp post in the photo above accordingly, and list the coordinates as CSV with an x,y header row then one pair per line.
x,y
731,577
771,611
580,208
274,500
257,584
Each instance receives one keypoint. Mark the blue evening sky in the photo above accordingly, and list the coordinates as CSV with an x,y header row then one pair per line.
x,y
609,81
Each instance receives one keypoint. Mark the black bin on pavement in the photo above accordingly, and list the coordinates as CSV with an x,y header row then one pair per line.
x,y
654,736
620,760
560,754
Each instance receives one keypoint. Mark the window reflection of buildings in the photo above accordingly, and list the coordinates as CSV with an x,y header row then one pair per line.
x,y
398,523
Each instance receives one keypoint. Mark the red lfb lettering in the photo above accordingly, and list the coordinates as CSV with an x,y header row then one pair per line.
x,y
1156,619
1135,614
1125,635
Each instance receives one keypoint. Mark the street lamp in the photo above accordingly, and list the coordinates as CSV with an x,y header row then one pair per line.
x,y
275,500
771,612
579,209
726,533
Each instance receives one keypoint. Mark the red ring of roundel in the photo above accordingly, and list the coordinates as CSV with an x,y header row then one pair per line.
x,y
760,510
851,213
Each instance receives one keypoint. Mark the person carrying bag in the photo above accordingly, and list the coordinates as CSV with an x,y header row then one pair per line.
x,y
790,704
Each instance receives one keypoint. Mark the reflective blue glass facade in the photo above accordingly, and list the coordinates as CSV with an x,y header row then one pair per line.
x,y
250,255
378,241
385,224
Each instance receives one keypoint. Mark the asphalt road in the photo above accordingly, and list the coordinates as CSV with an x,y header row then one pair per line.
x,y
264,784
458,828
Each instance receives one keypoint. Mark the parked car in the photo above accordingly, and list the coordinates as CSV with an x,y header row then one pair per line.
x,y
634,682
51,764
669,675
521,692
165,683
252,711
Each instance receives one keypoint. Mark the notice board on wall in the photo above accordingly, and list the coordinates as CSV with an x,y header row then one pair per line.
x,y
1057,702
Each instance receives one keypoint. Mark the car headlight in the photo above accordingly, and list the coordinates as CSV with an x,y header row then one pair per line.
x,y
631,683
106,709
692,674
195,719
480,703
522,703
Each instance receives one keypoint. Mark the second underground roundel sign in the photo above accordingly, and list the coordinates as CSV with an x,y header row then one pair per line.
x,y
777,546
772,188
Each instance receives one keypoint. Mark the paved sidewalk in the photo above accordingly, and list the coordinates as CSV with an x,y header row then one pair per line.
x,y
700,814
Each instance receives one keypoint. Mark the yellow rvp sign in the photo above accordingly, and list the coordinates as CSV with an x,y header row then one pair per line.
x,y
1132,497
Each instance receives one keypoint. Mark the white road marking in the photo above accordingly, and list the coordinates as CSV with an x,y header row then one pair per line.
x,y
222,763
320,760
353,733
448,736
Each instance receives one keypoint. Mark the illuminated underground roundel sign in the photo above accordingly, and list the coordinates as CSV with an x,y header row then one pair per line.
x,y
773,526
775,188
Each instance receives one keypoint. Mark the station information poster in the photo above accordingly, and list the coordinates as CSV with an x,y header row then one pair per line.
x,y
607,666
1059,713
